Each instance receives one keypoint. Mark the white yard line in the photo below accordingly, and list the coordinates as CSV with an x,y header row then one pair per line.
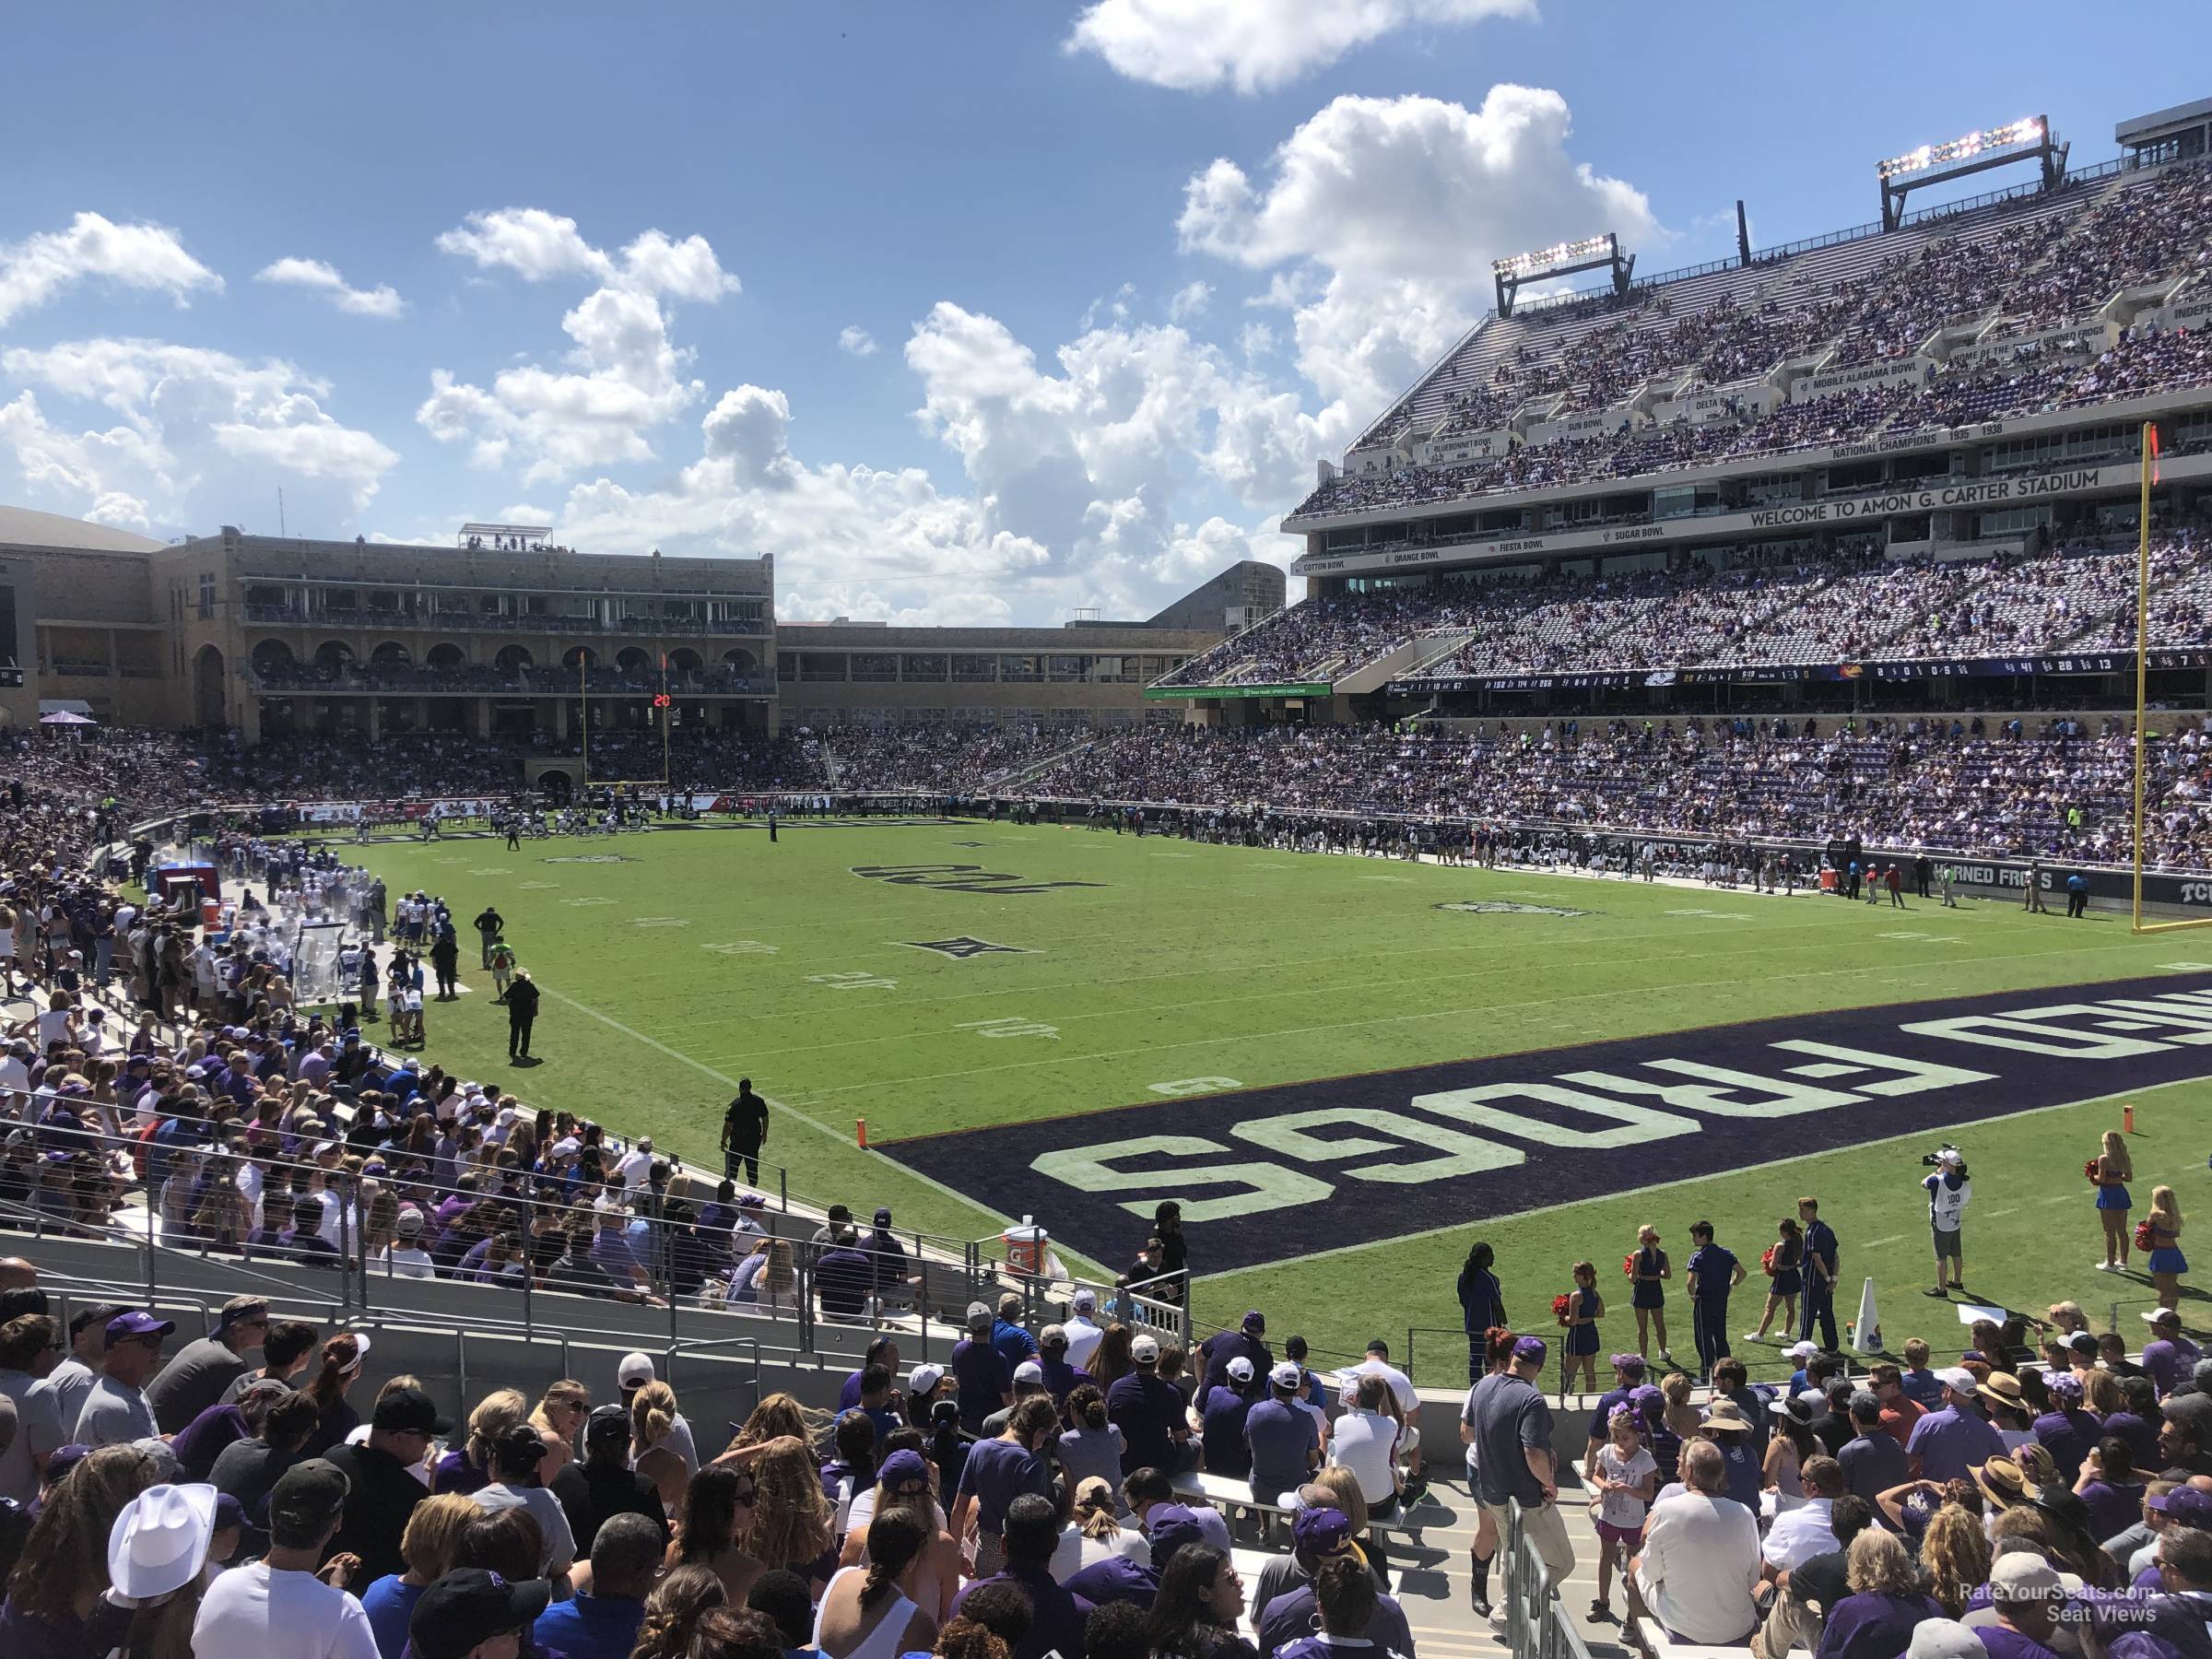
x,y
807,1118
1461,1012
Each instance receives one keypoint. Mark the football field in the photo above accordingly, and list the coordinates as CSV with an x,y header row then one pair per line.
x,y
1345,1069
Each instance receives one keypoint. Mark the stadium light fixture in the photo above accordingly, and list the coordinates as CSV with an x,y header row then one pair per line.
x,y
2029,130
1559,254
1561,259
1971,153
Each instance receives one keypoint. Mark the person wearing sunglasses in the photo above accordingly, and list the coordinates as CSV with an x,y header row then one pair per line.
x,y
115,1412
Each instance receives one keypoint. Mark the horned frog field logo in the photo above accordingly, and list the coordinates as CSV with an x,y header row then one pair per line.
x,y
590,858
1488,907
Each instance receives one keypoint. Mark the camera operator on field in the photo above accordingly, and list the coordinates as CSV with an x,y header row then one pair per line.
x,y
1948,1191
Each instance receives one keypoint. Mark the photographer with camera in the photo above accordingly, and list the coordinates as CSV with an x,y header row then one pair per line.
x,y
1948,1191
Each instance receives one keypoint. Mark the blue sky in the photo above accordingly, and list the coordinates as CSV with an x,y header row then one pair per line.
x,y
966,313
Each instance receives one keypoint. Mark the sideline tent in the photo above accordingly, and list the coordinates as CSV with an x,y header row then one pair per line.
x,y
63,717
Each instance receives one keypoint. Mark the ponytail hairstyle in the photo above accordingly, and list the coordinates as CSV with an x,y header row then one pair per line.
x,y
1497,1347
893,1542
674,1608
1096,1515
1086,1408
495,1412
340,1354
652,1416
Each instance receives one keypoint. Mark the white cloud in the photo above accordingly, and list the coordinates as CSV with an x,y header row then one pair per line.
x,y
535,245
856,341
624,376
200,436
1253,45
147,257
1189,301
539,246
381,301
1378,220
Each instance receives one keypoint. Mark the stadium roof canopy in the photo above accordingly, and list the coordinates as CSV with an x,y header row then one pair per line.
x,y
28,527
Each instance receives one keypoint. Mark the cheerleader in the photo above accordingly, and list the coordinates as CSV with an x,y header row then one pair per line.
x,y
2111,1170
1785,1266
1649,1269
2162,1227
1584,1307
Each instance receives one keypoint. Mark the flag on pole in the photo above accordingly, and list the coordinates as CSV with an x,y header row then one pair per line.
x,y
2151,428
1866,1334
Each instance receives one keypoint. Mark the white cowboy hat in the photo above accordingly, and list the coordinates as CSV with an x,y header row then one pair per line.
x,y
159,1541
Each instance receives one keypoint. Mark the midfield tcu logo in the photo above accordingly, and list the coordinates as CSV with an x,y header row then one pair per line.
x,y
1504,907
959,878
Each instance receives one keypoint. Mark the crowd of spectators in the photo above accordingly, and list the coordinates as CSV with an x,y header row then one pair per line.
x,y
1847,605
939,758
1982,788
2056,260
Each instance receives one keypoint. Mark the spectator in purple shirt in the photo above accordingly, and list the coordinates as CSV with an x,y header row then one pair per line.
x,y
1946,1444
2168,1356
2110,1488
883,1351
1149,1413
1033,1532
1282,1437
2066,1432
1223,1410
998,1471
984,1375
1061,1379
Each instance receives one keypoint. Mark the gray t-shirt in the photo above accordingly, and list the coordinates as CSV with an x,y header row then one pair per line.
x,y
191,1381
1510,1417
69,1383
115,1414
38,1431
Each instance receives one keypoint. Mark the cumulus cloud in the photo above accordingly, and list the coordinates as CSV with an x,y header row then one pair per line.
x,y
197,435
1377,220
147,257
851,540
856,341
1189,301
623,376
381,301
1253,45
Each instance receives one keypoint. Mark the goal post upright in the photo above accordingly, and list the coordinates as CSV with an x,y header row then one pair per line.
x,y
2146,443
2149,445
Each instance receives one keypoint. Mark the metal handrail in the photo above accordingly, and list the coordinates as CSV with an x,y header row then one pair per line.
x,y
1536,1622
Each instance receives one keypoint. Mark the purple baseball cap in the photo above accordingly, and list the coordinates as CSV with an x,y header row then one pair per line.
x,y
1256,1322
137,1322
1170,1527
903,1468
2185,1506
1530,1348
1320,1531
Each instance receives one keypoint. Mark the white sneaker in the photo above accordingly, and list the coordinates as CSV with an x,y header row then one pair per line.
x,y
1753,1337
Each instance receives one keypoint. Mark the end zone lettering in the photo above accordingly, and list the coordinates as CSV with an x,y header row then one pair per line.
x,y
1362,1159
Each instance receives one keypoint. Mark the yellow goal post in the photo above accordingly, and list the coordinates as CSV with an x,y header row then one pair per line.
x,y
2150,470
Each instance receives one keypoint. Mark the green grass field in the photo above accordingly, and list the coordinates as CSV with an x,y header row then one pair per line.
x,y
704,956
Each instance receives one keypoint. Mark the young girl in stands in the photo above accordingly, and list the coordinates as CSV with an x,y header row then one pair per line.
x,y
1627,1478
1785,1265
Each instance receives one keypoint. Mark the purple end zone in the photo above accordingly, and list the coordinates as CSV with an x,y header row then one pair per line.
x,y
1264,1175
